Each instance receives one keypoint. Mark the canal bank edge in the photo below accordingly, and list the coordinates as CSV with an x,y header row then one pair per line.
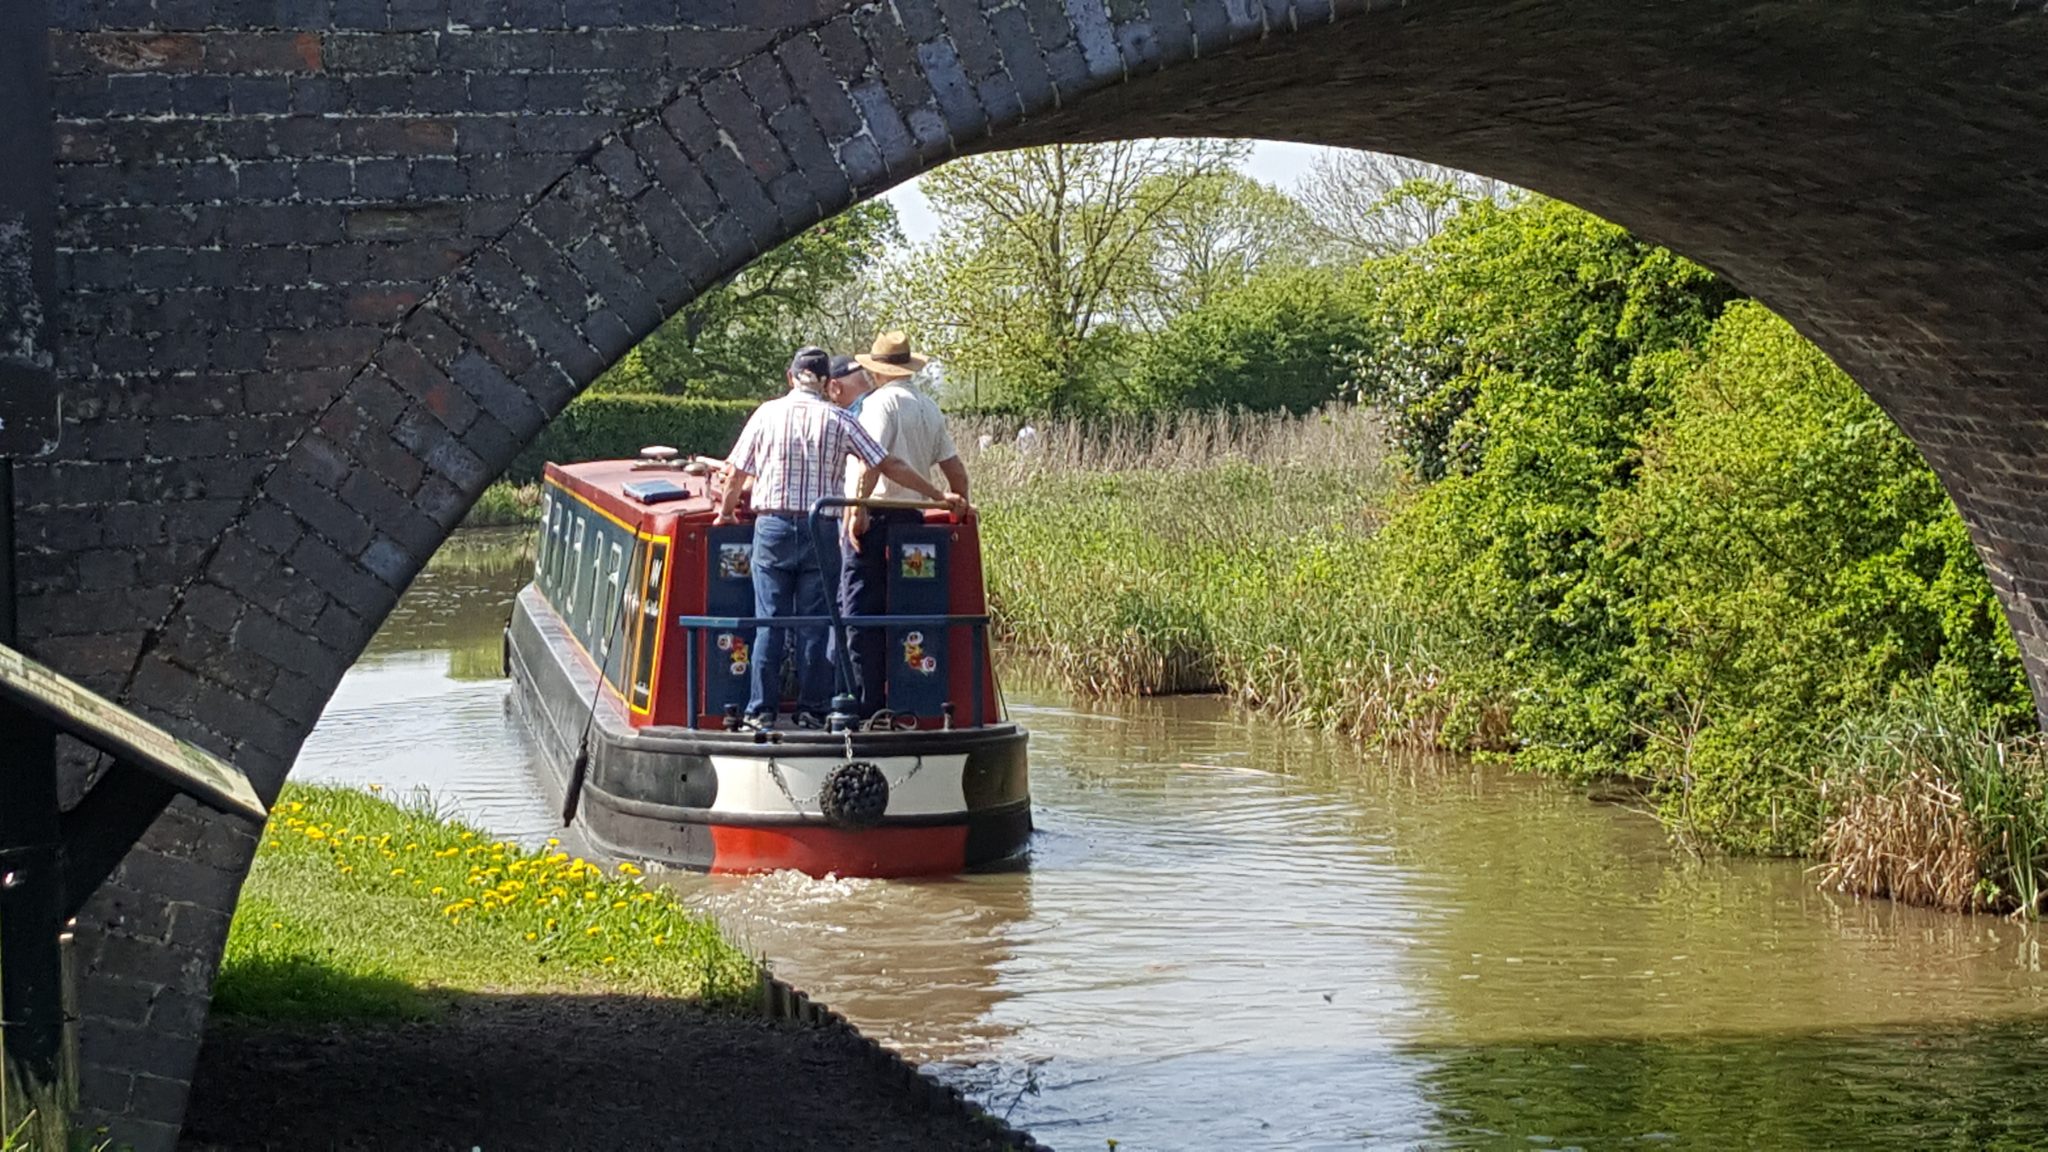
x,y
781,1000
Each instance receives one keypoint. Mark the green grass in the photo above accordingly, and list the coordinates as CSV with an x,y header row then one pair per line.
x,y
503,504
358,908
1217,552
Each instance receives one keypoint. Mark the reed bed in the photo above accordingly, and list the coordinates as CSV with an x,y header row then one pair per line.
x,y
504,504
1927,807
1213,552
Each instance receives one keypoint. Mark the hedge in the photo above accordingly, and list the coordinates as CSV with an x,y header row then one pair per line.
x,y
609,426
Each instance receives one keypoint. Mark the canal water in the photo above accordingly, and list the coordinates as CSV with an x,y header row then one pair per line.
x,y
1231,935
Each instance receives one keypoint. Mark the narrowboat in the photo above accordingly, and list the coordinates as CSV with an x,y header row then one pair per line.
x,y
629,659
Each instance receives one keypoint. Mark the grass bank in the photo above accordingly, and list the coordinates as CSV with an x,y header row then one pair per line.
x,y
360,908
1216,552
1243,555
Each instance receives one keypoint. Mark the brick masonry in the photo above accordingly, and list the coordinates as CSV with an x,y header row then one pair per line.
x,y
324,266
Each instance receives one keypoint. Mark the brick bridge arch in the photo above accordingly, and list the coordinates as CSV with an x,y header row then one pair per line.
x,y
325,266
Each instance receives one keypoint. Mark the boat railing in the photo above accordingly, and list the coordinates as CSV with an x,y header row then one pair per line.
x,y
695,627
696,631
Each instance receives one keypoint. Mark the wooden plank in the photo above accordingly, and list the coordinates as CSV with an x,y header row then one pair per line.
x,y
79,712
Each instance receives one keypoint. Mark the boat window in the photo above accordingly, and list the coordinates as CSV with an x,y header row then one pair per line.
x,y
610,616
650,625
594,602
559,548
541,550
575,560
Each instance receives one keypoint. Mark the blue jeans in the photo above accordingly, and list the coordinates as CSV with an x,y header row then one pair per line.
x,y
789,582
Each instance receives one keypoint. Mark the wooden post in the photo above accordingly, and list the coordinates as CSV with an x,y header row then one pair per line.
x,y
36,1087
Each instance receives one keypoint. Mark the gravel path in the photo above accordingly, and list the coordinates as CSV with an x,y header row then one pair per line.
x,y
556,1073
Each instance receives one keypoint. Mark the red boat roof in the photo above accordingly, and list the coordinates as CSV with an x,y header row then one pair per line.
x,y
604,483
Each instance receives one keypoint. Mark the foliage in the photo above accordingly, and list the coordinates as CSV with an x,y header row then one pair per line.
x,y
618,425
358,908
1541,297
1214,233
732,342
504,504
1285,339
1788,561
1046,262
1361,206
1690,547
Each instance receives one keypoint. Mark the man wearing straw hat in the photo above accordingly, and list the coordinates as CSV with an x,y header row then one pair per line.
x,y
911,428
795,448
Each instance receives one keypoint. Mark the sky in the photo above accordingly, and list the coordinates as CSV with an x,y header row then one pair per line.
x,y
1272,162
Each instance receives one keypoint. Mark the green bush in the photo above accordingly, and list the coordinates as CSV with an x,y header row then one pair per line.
x,y
1284,339
1691,564
617,425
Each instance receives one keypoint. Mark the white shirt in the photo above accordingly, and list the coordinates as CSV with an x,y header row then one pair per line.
x,y
909,426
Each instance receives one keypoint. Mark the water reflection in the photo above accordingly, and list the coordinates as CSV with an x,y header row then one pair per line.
x,y
1238,936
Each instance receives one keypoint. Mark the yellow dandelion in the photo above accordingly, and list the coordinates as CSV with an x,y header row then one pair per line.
x,y
618,903
552,842
398,871
628,870
437,890
532,936
609,960
594,930
551,924
296,806
345,869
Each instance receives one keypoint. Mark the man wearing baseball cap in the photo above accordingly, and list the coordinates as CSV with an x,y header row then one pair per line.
x,y
795,449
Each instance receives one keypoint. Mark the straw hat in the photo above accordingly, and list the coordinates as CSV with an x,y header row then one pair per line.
x,y
891,357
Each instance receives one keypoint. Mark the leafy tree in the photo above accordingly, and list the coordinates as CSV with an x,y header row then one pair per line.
x,y
1044,262
1791,562
1364,205
1215,234
1536,291
1284,339
1689,544
1516,371
732,341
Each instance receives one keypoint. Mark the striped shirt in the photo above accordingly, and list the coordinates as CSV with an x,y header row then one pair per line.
x,y
796,446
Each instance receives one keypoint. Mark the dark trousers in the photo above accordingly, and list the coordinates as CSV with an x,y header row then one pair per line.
x,y
864,591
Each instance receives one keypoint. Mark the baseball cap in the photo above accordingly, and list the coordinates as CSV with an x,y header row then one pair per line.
x,y
813,360
844,366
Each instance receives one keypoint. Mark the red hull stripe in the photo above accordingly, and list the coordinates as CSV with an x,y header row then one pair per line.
x,y
815,851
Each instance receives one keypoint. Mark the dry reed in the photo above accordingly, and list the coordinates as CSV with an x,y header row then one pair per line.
x,y
1930,808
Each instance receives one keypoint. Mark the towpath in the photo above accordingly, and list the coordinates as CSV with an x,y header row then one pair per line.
x,y
556,1073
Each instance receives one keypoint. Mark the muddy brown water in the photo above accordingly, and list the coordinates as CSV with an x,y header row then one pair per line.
x,y
1231,935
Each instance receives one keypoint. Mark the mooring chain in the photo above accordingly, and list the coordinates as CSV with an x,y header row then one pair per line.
x,y
782,784
775,774
905,778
